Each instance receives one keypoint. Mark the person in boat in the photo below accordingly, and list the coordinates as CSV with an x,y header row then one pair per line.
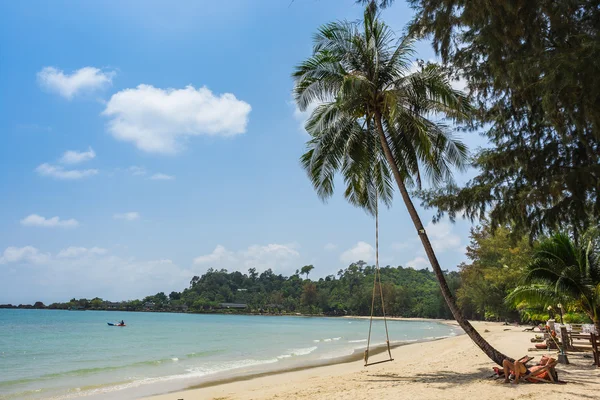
x,y
122,322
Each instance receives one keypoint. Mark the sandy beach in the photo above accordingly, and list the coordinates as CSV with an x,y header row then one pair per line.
x,y
452,368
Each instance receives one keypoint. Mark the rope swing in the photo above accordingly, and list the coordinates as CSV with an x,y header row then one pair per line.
x,y
377,276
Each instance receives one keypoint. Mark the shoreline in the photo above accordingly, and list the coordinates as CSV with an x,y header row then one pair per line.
x,y
413,319
326,363
451,367
352,359
234,377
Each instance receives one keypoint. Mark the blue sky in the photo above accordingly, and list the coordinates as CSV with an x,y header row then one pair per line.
x,y
144,143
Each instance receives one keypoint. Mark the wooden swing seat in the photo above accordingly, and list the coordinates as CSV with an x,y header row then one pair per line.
x,y
378,362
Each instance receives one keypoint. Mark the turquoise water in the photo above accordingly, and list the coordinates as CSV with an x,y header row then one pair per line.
x,y
70,354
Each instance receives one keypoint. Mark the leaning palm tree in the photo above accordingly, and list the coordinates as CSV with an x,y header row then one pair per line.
x,y
376,123
560,272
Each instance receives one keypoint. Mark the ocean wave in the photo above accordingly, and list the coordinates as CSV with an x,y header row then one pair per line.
x,y
328,339
81,372
297,352
205,353
302,351
222,367
357,341
194,372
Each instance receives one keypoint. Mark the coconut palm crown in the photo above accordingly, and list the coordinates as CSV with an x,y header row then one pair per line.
x,y
563,272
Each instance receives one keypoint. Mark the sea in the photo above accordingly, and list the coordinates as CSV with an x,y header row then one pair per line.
x,y
52,354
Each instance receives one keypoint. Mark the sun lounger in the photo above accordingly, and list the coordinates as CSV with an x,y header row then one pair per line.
x,y
499,373
545,374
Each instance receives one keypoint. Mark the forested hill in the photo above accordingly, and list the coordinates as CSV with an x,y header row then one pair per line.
x,y
407,292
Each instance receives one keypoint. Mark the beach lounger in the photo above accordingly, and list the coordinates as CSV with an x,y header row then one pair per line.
x,y
499,372
545,374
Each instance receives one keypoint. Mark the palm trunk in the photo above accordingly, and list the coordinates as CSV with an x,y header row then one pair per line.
x,y
491,352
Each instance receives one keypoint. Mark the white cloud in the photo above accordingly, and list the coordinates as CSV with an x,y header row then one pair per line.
x,y
162,177
86,79
442,240
58,172
418,263
86,272
76,157
137,171
72,252
361,251
271,253
38,220
330,247
275,256
27,254
441,237
460,84
128,216
219,254
159,120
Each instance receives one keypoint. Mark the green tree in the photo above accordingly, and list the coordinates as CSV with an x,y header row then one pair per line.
x,y
373,124
252,273
161,298
306,270
496,266
97,302
533,68
309,294
563,271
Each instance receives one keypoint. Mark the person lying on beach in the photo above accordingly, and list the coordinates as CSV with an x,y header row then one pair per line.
x,y
518,368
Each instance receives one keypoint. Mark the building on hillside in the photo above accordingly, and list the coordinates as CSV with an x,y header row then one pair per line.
x,y
233,305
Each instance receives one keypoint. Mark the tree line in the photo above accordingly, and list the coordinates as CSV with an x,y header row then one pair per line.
x,y
501,281
407,292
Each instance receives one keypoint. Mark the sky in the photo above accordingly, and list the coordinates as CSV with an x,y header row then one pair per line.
x,y
144,143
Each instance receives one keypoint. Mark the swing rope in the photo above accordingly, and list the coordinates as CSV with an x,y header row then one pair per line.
x,y
377,275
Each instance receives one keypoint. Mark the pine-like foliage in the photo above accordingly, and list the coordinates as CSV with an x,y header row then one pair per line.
x,y
534,68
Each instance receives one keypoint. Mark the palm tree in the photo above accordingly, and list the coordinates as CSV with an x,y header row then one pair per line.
x,y
306,270
560,272
374,124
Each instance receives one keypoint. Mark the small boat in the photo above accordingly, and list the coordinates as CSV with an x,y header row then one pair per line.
x,y
111,324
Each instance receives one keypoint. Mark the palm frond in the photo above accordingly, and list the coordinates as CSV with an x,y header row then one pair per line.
x,y
536,295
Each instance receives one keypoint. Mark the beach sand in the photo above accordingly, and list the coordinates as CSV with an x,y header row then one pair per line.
x,y
452,368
